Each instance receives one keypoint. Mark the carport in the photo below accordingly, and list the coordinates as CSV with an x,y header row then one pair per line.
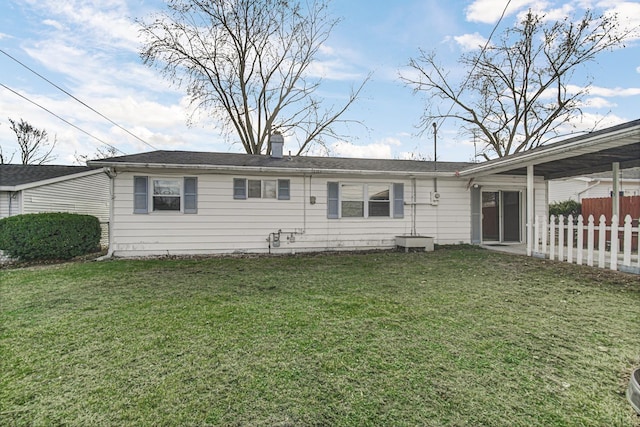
x,y
610,149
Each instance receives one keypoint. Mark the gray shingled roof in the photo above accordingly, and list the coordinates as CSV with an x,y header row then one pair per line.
x,y
12,175
191,158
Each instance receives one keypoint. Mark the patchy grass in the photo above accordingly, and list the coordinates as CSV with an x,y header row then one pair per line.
x,y
460,336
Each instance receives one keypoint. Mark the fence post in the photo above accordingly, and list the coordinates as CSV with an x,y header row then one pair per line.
x,y
580,239
536,233
545,235
560,237
614,242
590,239
602,238
626,259
570,238
552,237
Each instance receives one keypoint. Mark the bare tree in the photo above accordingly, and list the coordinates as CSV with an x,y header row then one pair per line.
x,y
103,152
246,62
35,148
3,157
517,93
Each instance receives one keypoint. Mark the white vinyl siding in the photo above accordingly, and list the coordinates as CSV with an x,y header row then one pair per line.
x,y
227,225
88,195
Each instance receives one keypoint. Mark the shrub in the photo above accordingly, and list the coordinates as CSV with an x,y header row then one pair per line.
x,y
54,235
566,208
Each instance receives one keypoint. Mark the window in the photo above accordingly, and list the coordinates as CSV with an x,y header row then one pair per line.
x,y
167,194
352,200
347,200
283,189
379,200
140,199
269,189
190,195
261,189
239,188
398,200
255,187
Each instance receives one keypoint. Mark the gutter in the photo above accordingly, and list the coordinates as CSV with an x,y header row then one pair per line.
x,y
272,170
595,184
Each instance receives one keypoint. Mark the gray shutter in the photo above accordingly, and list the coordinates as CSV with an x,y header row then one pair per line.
x,y
332,199
476,215
283,189
239,188
140,198
190,195
398,200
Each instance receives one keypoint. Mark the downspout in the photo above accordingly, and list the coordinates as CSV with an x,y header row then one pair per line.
x,y
435,157
413,207
111,173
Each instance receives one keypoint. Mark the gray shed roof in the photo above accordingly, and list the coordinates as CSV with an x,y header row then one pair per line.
x,y
13,175
315,164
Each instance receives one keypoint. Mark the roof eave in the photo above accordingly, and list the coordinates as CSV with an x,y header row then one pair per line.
x,y
49,181
553,152
229,169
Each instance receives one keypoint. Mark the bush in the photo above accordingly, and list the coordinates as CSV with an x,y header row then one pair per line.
x,y
566,208
53,235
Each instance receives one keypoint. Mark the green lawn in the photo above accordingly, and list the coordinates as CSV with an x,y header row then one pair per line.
x,y
456,337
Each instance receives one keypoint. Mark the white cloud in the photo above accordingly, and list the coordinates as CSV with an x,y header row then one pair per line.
x,y
105,23
334,69
489,11
629,15
52,23
598,102
470,41
610,92
378,150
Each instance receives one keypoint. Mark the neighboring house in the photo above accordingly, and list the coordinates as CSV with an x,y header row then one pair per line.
x,y
187,203
51,188
594,186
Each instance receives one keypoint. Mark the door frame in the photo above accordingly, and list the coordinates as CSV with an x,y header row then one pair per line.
x,y
500,213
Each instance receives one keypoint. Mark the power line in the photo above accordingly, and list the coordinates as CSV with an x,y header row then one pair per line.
x,y
475,63
66,121
78,100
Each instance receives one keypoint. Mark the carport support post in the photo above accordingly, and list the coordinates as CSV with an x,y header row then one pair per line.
x,y
530,211
615,206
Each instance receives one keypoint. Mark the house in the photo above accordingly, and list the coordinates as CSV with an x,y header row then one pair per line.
x,y
179,202
594,186
53,188
187,203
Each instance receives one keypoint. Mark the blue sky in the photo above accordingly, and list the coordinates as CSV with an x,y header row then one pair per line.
x,y
90,48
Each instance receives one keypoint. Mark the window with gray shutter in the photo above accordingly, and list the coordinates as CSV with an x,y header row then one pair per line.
x,y
239,188
283,189
398,200
332,199
140,197
190,195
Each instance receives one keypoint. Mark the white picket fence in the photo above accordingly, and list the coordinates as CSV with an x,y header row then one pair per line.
x,y
563,240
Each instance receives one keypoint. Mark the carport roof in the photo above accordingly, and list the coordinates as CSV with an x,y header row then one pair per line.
x,y
581,155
